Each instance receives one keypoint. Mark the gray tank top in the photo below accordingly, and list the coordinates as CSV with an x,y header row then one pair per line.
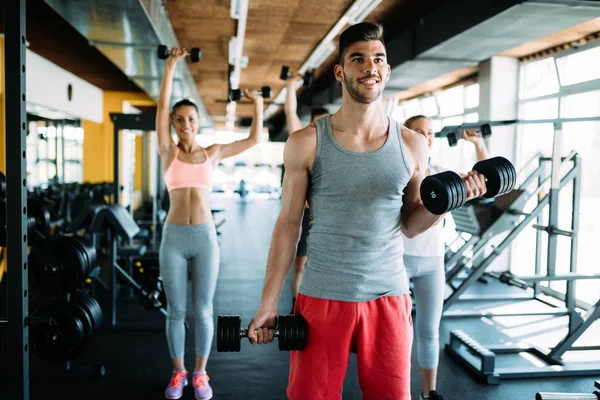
x,y
355,245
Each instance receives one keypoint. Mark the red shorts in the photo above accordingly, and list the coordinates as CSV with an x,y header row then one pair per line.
x,y
379,331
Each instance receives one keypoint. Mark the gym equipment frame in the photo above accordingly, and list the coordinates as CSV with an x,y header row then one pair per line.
x,y
16,218
480,358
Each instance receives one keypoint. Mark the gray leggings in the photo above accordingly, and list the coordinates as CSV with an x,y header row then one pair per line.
x,y
428,276
198,246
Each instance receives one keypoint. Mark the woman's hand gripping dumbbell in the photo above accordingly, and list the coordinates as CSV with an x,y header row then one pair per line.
x,y
163,53
448,191
237,94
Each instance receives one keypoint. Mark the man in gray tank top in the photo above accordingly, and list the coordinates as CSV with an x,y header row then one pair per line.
x,y
361,173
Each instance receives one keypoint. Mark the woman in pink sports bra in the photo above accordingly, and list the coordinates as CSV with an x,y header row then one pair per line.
x,y
189,235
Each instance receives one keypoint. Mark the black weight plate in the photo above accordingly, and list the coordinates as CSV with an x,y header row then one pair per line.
x,y
486,130
284,72
453,182
54,269
509,172
70,244
266,92
502,174
292,330
221,322
162,52
195,54
80,309
435,194
513,175
460,190
489,170
61,341
228,333
37,210
93,308
283,337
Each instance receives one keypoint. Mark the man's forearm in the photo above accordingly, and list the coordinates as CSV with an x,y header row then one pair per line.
x,y
281,256
418,221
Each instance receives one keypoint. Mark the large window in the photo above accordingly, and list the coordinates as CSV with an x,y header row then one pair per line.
x,y
566,85
452,106
54,151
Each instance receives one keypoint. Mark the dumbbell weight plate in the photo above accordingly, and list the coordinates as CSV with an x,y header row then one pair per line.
x,y
266,92
61,341
510,178
80,309
459,192
195,54
486,130
37,210
292,332
439,191
503,174
285,70
452,139
493,175
235,95
162,52
228,333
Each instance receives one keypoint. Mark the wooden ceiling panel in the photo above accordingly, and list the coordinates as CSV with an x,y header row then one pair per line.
x,y
278,32
321,12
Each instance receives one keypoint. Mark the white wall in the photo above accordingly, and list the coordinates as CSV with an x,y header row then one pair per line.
x,y
47,86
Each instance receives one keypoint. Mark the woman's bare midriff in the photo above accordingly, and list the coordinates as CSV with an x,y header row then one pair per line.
x,y
189,206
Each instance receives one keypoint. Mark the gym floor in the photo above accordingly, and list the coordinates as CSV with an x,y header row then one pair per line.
x,y
137,363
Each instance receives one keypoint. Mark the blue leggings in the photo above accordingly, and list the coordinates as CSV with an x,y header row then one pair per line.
x,y
428,276
198,246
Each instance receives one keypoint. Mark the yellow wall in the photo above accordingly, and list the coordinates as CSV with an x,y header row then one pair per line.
x,y
98,138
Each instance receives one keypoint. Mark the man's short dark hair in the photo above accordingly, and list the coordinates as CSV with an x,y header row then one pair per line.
x,y
318,111
182,103
362,32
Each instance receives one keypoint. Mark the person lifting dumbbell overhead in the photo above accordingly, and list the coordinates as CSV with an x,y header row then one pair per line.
x,y
424,262
294,125
163,53
362,172
237,94
189,234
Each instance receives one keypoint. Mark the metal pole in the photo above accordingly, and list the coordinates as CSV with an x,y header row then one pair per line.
x,y
16,199
571,295
116,162
539,238
554,197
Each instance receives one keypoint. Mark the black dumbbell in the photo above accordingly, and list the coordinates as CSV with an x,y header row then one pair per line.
x,y
237,94
485,130
290,331
164,53
308,78
447,191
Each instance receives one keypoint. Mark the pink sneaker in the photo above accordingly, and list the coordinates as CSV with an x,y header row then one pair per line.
x,y
202,390
176,385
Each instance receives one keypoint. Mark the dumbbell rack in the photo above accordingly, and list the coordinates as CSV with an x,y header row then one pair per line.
x,y
479,358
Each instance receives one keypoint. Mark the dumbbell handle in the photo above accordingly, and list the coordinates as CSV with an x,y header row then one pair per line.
x,y
244,332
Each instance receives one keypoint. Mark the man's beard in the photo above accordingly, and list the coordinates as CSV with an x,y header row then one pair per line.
x,y
353,89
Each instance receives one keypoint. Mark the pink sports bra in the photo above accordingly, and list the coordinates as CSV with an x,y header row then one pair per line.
x,y
187,175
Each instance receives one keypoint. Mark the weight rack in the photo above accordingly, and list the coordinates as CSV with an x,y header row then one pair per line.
x,y
477,357
16,204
